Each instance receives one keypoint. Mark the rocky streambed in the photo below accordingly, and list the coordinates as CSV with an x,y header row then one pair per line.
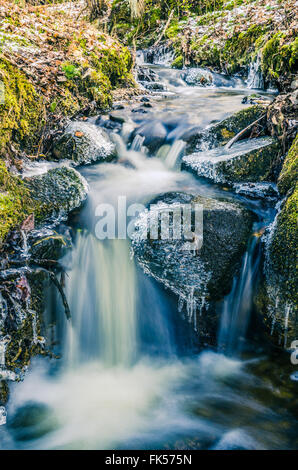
x,y
181,144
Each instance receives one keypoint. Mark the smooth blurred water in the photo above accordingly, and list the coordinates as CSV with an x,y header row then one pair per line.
x,y
131,373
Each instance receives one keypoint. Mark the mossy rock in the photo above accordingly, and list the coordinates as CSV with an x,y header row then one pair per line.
x,y
289,173
223,131
177,63
22,110
15,201
200,276
84,143
56,193
281,305
247,161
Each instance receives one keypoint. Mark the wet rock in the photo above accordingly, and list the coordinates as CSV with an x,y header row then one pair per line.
x,y
266,191
191,136
139,110
289,173
197,77
221,132
57,192
277,298
117,106
84,143
155,135
154,86
199,276
117,118
31,421
249,160
144,74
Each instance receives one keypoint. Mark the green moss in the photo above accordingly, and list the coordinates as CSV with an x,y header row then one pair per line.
x,y
230,126
240,49
279,56
289,173
15,201
283,248
21,113
177,63
254,166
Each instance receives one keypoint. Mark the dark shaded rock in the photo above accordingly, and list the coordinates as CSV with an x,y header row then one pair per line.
x,y
31,421
155,134
57,192
117,118
221,132
145,74
202,276
139,110
83,142
249,160
197,77
154,86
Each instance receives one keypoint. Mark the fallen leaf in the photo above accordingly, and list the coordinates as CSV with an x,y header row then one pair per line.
x,y
79,134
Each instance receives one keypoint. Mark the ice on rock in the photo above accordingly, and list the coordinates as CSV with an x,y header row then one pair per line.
x,y
3,415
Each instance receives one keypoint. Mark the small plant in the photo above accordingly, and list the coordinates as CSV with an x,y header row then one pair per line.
x,y
71,71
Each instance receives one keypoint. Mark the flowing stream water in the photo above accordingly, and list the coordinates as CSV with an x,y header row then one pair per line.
x,y
131,374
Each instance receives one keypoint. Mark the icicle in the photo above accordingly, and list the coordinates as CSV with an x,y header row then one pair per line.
x,y
287,313
180,303
3,415
3,311
191,305
255,77
4,341
34,326
25,252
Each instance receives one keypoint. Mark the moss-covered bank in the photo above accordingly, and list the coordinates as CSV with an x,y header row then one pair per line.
x,y
53,64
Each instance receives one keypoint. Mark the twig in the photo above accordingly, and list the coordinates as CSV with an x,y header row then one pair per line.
x,y
63,296
237,136
164,30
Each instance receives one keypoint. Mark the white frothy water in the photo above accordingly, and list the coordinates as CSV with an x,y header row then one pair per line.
x,y
102,302
238,304
255,77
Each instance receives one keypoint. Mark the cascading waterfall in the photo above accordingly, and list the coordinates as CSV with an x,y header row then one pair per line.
x,y
130,378
255,77
102,302
237,305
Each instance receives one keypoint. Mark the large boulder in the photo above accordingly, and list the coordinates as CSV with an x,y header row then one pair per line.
x,y
277,298
84,143
57,192
221,132
198,276
154,133
197,77
248,160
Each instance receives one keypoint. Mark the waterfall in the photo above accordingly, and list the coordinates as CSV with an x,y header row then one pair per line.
x,y
255,77
102,295
237,305
175,152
